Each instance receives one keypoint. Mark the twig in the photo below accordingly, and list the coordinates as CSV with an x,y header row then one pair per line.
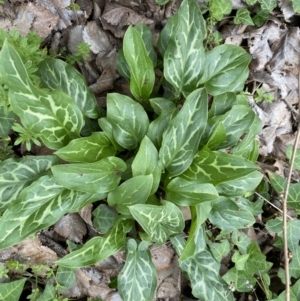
x,y
271,204
286,193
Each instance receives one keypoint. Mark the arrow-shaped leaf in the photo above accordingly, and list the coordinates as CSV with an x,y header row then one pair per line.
x,y
182,137
160,222
137,280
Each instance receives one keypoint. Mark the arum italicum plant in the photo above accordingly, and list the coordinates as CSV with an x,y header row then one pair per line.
x,y
190,145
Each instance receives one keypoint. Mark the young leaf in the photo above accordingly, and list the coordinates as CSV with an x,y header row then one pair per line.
x,y
243,16
16,174
98,248
267,5
160,105
145,163
227,215
54,116
159,222
278,183
217,167
182,137
87,149
225,69
185,43
57,74
104,218
128,118
133,191
137,280
98,177
65,277
142,75
219,8
185,193
39,206
48,294
12,291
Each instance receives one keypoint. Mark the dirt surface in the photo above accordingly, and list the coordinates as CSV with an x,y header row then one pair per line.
x,y
102,24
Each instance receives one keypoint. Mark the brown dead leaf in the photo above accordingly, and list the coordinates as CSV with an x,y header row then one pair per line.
x,y
105,81
97,38
72,227
33,251
117,18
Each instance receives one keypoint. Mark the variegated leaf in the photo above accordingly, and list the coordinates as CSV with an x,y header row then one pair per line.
x,y
159,222
103,218
184,57
228,216
137,280
182,137
226,69
16,174
133,191
6,122
87,149
57,74
39,206
141,68
128,118
217,167
160,105
145,163
98,248
98,177
53,116
186,193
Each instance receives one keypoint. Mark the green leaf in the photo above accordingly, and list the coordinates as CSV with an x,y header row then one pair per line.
x,y
16,174
137,280
145,163
220,250
217,137
241,240
145,33
12,291
279,184
142,75
240,186
48,293
294,293
225,69
133,191
243,16
239,280
219,8
203,271
289,152
160,105
57,74
182,137
87,149
167,33
296,6
162,2
159,222
268,5
222,103
261,17
107,128
158,126
104,218
6,121
54,116
217,167
227,215
185,193
65,277
39,206
98,248
98,177
128,118
122,65
185,56
239,260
